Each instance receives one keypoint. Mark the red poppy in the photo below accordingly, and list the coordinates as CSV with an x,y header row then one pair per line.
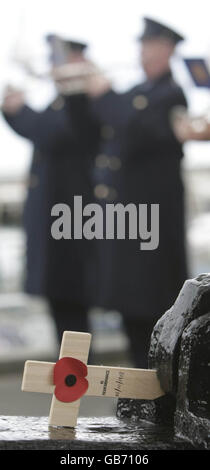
x,y
69,378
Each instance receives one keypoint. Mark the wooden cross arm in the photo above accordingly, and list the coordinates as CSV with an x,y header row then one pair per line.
x,y
103,381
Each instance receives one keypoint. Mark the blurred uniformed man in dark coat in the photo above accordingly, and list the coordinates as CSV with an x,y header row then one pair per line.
x,y
139,162
55,269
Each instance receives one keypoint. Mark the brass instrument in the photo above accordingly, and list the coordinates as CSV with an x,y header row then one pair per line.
x,y
70,78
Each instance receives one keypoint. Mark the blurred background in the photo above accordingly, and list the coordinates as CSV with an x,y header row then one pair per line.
x,y
110,27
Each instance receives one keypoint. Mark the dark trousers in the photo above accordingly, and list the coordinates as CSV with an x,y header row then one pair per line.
x,y
74,317
69,316
139,331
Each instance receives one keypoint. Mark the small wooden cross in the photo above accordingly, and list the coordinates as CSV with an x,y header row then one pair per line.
x,y
103,381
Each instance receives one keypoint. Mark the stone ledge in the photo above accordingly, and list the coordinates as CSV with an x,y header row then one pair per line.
x,y
105,433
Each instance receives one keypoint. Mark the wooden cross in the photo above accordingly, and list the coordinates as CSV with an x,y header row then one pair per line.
x,y
103,381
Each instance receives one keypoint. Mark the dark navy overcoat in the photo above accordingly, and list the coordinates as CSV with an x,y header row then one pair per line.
x,y
59,171
139,162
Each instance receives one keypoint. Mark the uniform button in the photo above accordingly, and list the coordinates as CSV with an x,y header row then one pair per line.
x,y
58,104
140,102
101,191
107,132
114,163
102,161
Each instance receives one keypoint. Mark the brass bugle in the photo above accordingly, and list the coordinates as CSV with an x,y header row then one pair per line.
x,y
76,73
72,78
78,69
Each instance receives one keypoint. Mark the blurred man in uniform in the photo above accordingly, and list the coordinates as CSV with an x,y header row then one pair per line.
x,y
139,162
55,269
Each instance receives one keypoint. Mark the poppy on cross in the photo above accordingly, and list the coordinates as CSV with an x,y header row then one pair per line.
x,y
70,378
